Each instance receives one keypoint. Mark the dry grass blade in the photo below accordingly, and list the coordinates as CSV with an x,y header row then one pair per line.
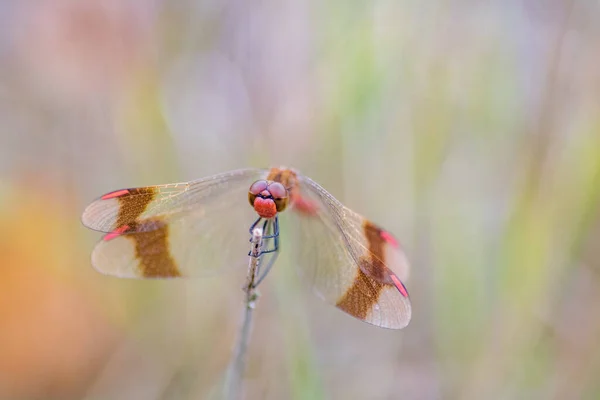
x,y
235,373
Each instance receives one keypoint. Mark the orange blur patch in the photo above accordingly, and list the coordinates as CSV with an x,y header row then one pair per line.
x,y
265,208
116,193
56,338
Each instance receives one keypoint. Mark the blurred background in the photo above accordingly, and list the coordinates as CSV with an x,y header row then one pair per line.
x,y
469,129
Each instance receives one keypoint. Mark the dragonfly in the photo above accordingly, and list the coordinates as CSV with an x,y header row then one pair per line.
x,y
190,229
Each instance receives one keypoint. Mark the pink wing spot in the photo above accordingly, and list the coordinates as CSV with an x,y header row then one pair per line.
x,y
305,206
117,232
399,285
386,236
116,193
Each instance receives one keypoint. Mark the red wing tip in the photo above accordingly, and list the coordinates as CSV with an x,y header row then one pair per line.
x,y
387,237
399,285
116,193
117,232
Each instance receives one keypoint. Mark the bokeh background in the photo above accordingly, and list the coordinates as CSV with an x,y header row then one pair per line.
x,y
469,129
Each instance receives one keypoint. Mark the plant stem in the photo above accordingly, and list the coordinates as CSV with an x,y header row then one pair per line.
x,y
235,373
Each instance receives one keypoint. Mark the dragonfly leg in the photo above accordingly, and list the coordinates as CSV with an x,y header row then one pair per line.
x,y
267,268
272,230
251,230
275,252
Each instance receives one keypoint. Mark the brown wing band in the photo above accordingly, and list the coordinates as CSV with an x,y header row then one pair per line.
x,y
152,251
150,237
132,204
364,293
361,296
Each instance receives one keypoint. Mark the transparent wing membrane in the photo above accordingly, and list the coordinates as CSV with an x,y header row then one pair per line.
x,y
332,252
171,201
194,228
181,233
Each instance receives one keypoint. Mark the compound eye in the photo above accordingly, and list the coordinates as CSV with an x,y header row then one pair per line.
x,y
277,190
258,187
281,204
280,195
255,189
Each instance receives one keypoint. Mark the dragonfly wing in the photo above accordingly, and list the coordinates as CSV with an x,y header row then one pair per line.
x,y
176,230
349,261
122,209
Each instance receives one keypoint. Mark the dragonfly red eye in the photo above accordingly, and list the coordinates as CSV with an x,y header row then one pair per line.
x,y
279,194
255,189
277,190
258,187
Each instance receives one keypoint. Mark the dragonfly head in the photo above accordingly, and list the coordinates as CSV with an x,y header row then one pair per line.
x,y
268,198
